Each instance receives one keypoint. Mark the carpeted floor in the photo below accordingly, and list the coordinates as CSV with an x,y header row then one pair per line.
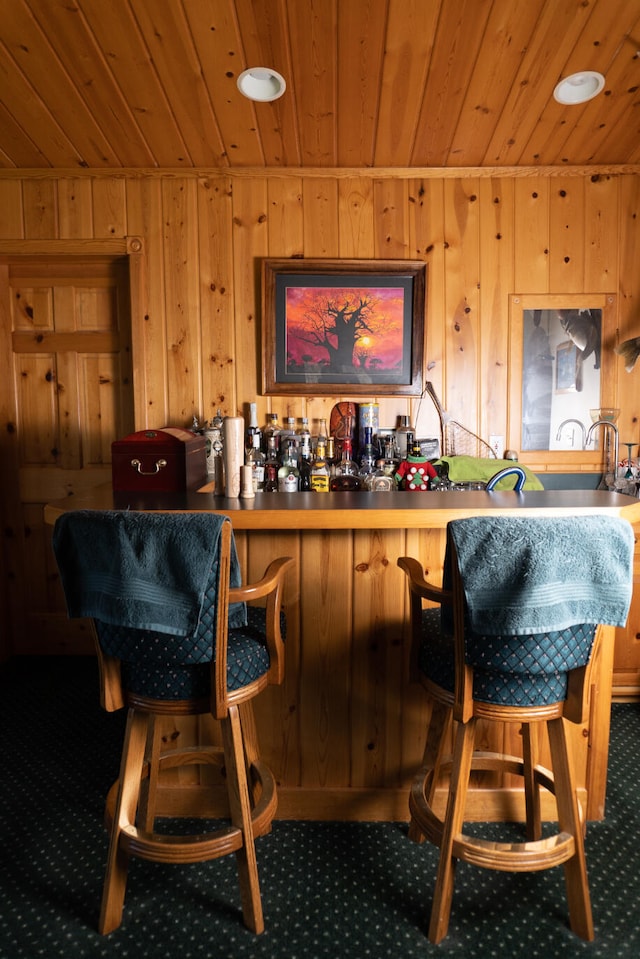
x,y
335,890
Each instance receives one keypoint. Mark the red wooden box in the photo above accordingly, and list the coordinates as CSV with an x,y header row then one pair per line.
x,y
166,460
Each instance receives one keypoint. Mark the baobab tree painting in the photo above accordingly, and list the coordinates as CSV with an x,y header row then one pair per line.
x,y
344,330
328,325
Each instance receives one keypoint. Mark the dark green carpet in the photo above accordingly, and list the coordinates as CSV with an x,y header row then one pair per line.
x,y
329,889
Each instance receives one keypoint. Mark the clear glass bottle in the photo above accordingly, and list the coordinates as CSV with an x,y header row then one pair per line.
x,y
303,437
288,437
347,470
255,458
367,457
253,436
402,436
288,474
271,467
320,470
272,429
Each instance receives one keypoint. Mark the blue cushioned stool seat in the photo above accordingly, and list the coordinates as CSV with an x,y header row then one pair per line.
x,y
509,670
160,666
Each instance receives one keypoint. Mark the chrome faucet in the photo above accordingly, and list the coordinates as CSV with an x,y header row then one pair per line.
x,y
614,429
578,423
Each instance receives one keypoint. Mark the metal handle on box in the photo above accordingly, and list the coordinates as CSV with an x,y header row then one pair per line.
x,y
159,465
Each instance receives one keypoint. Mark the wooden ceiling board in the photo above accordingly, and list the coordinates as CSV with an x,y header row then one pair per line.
x,y
264,28
313,38
47,73
88,71
560,131
361,37
459,37
144,84
504,43
118,35
411,30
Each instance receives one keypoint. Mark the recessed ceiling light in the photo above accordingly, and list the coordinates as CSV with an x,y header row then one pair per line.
x,y
261,83
579,87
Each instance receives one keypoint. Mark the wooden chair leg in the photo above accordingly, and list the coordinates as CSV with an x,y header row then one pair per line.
x,y
531,788
149,788
454,818
575,869
240,804
115,882
438,732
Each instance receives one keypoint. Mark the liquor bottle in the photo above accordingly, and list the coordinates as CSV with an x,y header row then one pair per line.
x,y
303,437
320,470
304,468
346,476
253,438
288,474
288,437
272,429
255,458
271,467
402,438
331,456
367,457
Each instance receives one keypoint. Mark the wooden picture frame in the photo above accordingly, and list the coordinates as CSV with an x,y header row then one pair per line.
x,y
560,359
343,327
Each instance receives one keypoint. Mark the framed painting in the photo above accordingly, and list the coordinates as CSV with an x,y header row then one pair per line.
x,y
333,327
561,369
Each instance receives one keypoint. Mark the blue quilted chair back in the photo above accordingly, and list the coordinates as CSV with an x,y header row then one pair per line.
x,y
534,592
140,567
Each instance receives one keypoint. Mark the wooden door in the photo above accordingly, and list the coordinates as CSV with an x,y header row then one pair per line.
x,y
67,386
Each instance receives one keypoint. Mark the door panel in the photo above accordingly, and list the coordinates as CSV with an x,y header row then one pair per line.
x,y
72,394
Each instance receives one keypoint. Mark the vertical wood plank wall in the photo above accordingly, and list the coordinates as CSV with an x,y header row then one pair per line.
x,y
196,329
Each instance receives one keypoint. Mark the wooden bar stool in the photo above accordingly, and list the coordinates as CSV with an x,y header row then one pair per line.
x,y
519,616
199,646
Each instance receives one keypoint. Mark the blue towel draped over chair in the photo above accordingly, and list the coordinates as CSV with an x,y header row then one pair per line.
x,y
140,570
574,570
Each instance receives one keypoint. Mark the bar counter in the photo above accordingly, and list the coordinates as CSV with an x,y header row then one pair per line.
x,y
344,734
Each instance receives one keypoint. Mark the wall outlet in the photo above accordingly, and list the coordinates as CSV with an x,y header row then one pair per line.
x,y
497,445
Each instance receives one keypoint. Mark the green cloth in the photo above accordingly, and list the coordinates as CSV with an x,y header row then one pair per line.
x,y
469,469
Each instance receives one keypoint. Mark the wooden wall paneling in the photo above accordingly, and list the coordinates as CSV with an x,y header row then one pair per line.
x,y
567,235
182,300
285,227
356,218
462,278
109,206
531,242
215,270
326,575
250,244
278,711
320,210
496,282
391,236
378,671
149,330
11,221
40,200
70,399
75,207
629,300
13,588
602,218
426,215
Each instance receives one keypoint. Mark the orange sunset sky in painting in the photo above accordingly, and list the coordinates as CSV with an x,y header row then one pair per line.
x,y
380,345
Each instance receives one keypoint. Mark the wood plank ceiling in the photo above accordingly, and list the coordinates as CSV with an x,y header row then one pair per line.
x,y
370,83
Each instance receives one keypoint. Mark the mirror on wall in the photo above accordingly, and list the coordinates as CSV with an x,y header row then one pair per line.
x,y
558,351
